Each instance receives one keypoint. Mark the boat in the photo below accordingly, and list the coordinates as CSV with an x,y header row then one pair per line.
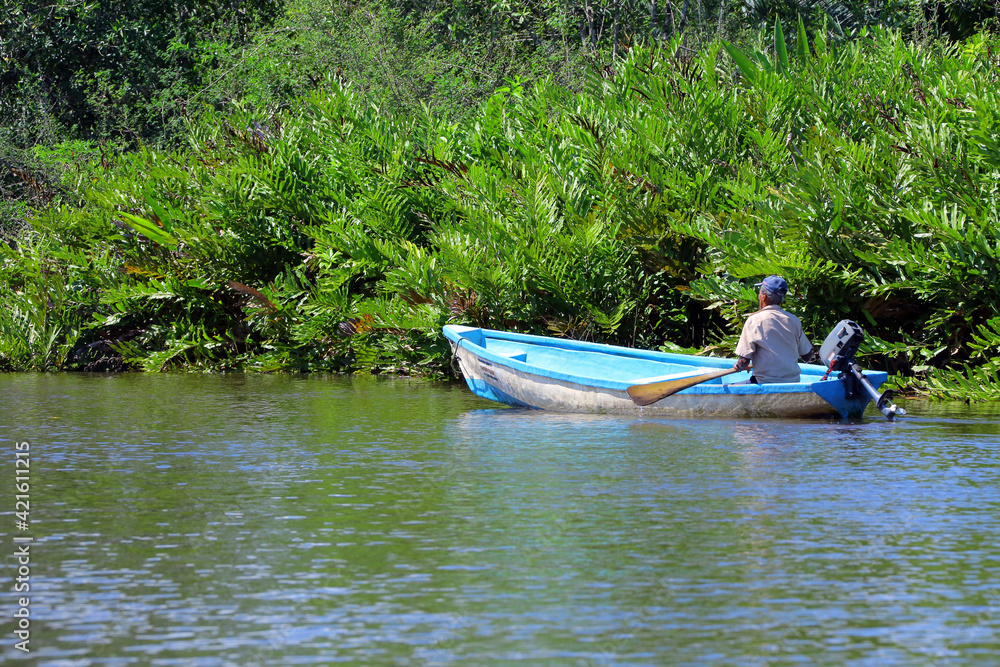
x,y
566,375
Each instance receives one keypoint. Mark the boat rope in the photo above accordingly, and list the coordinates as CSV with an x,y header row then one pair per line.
x,y
454,357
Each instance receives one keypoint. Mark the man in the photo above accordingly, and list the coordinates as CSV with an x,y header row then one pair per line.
x,y
772,338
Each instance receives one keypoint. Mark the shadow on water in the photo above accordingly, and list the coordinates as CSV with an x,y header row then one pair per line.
x,y
246,520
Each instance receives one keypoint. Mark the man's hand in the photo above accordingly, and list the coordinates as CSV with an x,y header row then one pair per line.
x,y
742,364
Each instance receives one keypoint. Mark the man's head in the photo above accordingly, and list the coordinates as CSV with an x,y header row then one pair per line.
x,y
773,290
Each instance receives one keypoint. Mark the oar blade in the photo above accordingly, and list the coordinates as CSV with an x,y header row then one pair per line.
x,y
647,394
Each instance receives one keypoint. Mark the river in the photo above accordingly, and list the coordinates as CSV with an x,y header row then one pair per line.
x,y
281,520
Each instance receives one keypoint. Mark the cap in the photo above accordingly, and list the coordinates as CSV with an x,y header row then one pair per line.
x,y
774,285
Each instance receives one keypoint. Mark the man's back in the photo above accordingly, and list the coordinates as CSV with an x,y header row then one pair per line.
x,y
773,338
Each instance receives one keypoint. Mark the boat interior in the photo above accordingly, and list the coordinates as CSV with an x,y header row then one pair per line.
x,y
585,363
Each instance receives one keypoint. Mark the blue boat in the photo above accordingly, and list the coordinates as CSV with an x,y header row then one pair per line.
x,y
575,376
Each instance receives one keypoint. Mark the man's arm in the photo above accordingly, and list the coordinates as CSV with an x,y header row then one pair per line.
x,y
744,348
807,351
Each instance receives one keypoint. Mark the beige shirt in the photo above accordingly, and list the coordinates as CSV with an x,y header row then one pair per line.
x,y
773,340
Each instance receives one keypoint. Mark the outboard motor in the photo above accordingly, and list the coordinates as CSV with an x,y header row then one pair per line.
x,y
837,353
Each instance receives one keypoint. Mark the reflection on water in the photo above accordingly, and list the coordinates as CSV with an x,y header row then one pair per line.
x,y
289,520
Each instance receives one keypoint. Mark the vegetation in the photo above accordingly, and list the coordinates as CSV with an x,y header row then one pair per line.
x,y
307,223
94,70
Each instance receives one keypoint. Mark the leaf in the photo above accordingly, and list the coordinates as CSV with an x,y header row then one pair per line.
x,y
149,229
161,214
802,46
779,45
750,71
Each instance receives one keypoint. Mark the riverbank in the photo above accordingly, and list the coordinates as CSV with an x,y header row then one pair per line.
x,y
337,236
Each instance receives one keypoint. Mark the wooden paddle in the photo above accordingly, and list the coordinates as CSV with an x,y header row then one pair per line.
x,y
645,394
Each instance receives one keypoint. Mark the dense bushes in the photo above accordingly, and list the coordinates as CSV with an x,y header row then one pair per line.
x,y
103,70
334,234
124,75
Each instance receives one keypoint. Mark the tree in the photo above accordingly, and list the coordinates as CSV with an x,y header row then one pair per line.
x,y
107,69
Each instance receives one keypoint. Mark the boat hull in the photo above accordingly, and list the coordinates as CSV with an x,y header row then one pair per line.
x,y
507,375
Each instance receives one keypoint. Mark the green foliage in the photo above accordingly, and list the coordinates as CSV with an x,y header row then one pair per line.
x,y
336,234
134,74
100,70
975,381
43,306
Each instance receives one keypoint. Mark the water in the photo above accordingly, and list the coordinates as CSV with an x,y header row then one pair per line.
x,y
206,520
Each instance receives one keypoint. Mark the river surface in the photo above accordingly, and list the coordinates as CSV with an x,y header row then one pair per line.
x,y
276,520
